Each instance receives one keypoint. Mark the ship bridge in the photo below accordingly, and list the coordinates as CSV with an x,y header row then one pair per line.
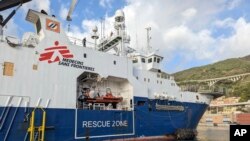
x,y
149,62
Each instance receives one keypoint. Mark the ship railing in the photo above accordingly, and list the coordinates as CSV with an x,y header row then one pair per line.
x,y
78,42
12,41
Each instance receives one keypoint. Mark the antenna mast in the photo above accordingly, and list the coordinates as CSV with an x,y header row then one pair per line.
x,y
101,20
148,39
95,35
120,26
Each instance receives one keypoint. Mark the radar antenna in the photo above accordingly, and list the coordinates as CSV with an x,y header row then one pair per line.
x,y
95,35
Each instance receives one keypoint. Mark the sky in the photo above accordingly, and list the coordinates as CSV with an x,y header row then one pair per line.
x,y
187,33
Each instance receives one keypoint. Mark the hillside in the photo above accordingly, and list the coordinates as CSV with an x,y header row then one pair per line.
x,y
222,68
227,67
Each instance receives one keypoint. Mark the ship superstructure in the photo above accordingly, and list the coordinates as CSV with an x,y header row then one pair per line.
x,y
88,92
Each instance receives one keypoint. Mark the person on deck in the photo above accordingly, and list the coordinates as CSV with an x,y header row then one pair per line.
x,y
84,42
94,93
1,28
109,93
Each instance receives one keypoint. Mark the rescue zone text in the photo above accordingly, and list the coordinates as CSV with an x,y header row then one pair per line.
x,y
101,124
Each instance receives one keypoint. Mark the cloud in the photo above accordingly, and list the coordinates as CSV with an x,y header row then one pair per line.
x,y
202,45
63,12
37,5
233,4
106,3
236,45
11,29
189,13
228,22
196,45
88,25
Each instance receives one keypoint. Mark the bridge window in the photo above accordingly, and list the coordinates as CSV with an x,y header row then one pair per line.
x,y
143,60
150,60
135,60
158,60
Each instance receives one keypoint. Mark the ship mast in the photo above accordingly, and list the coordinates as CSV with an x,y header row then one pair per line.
x,y
148,39
120,26
95,35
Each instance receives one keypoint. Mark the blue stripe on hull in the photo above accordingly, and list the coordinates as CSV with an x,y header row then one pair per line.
x,y
147,122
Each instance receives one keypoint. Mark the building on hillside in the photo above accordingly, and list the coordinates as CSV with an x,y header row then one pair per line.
x,y
225,110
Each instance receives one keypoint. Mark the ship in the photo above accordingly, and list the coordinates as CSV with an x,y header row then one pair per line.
x,y
53,89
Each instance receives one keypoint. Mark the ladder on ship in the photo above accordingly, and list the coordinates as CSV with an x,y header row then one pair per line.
x,y
37,133
107,45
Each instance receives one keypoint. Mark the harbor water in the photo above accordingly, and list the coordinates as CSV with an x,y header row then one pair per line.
x,y
213,133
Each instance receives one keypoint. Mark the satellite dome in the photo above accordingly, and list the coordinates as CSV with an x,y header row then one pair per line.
x,y
119,16
95,29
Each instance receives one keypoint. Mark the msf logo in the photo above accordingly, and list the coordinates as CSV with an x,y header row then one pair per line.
x,y
55,53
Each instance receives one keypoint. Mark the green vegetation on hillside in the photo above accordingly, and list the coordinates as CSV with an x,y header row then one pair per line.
x,y
223,68
243,91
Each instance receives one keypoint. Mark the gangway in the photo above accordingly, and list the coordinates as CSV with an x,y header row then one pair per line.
x,y
107,45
